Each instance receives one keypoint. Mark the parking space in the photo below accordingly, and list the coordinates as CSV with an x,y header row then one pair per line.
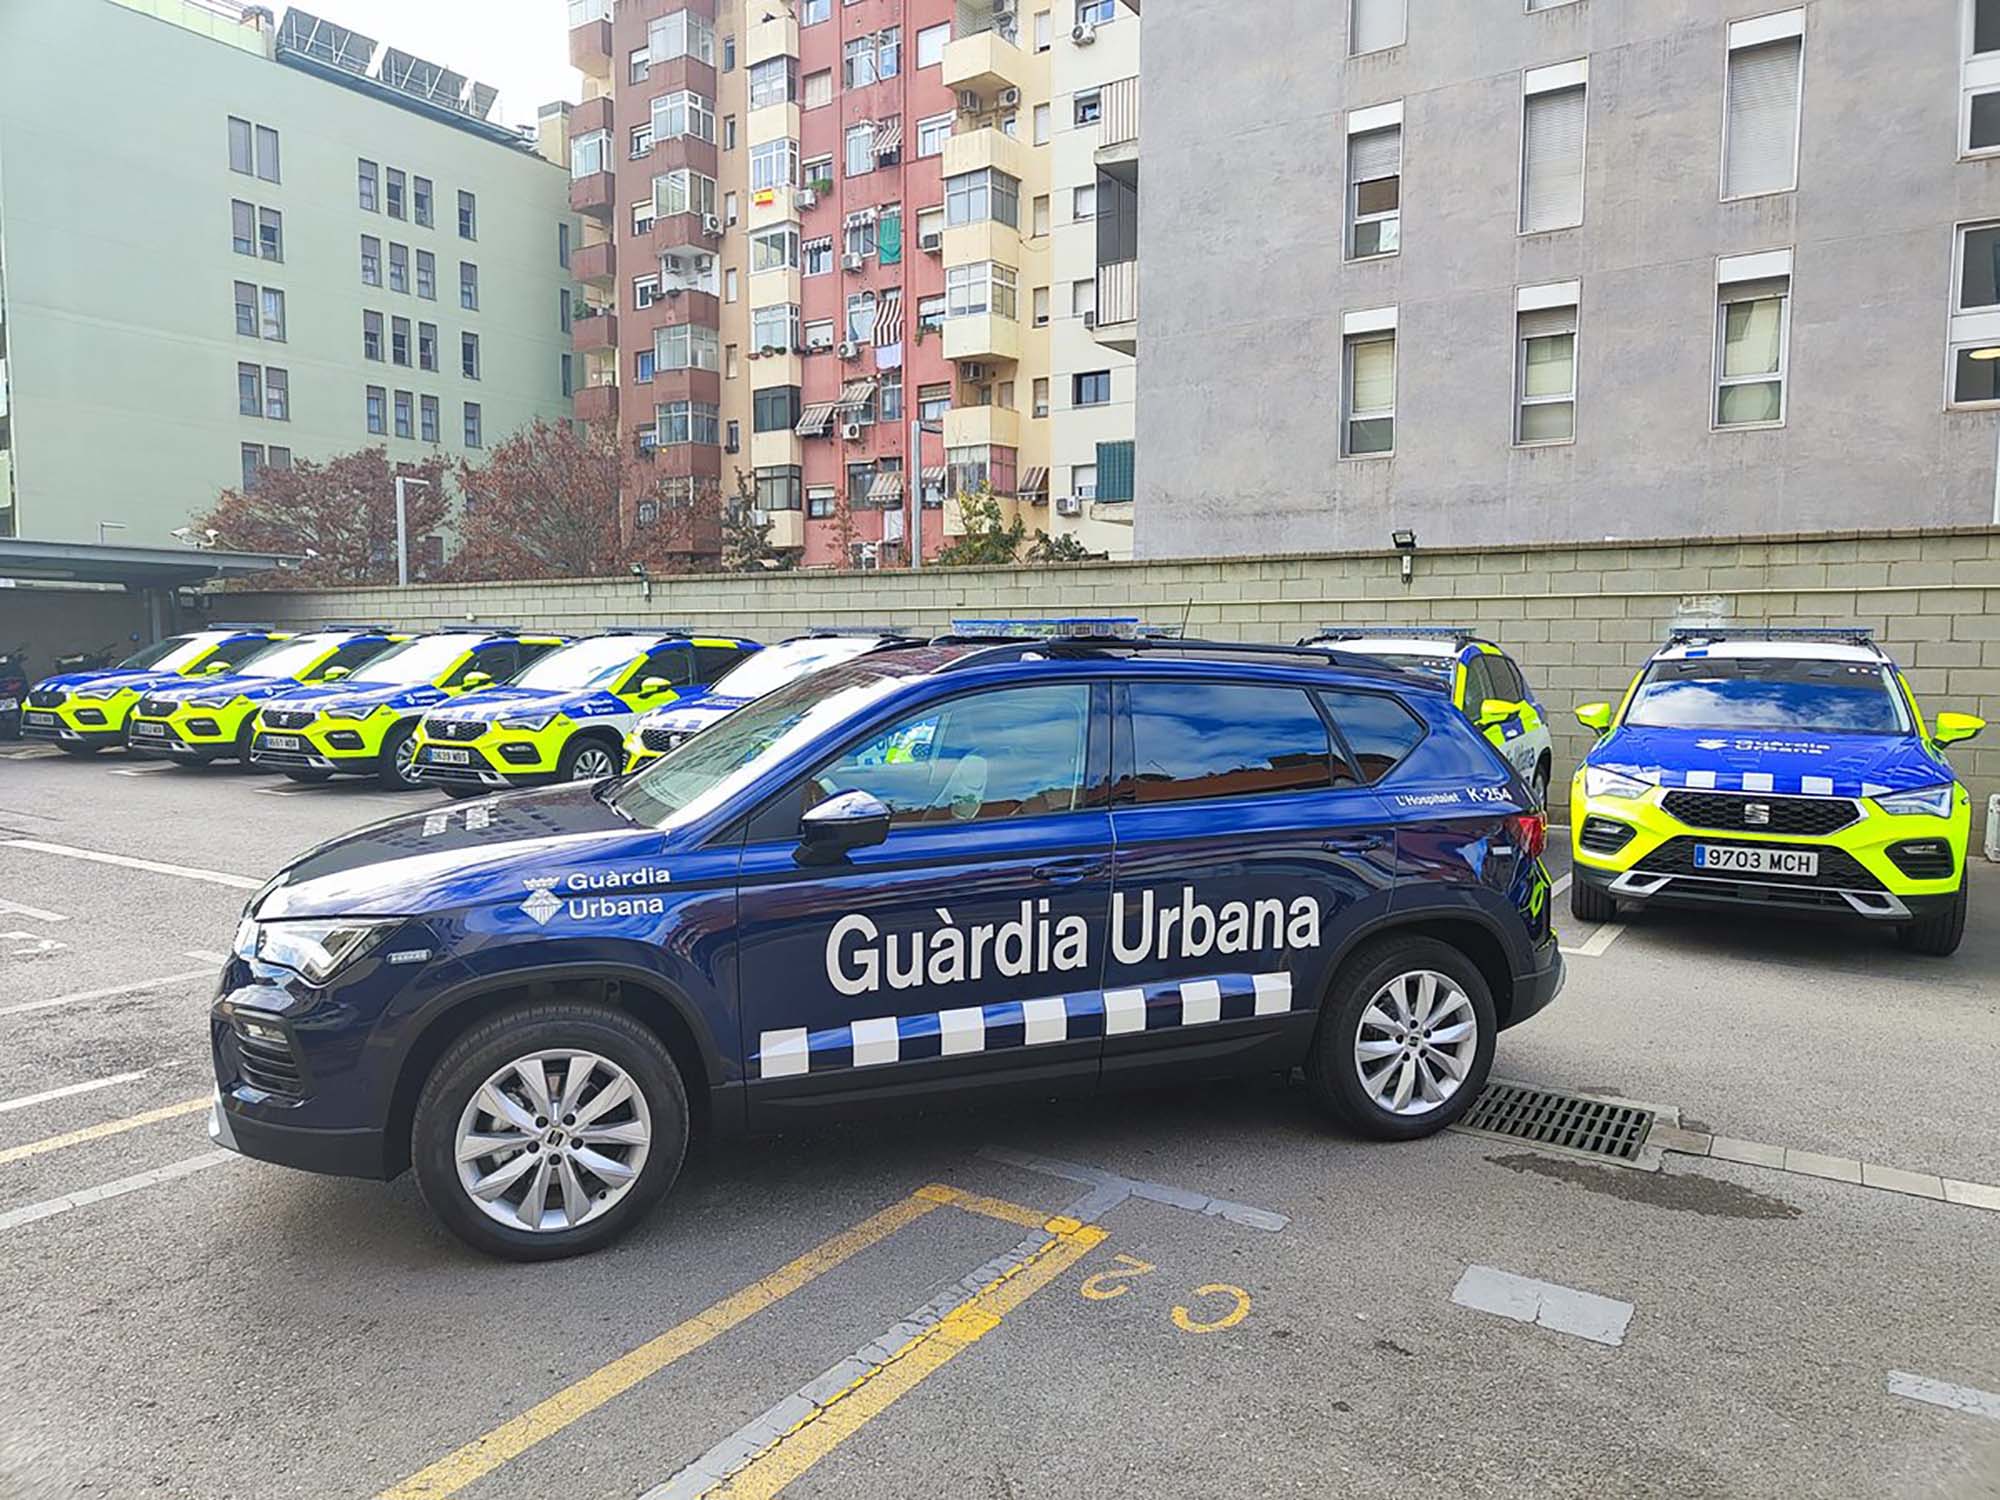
x,y
1195,1291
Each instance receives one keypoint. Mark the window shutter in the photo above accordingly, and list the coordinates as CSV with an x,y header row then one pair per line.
x,y
1377,24
1114,471
1548,323
1379,153
1374,377
1763,119
1552,160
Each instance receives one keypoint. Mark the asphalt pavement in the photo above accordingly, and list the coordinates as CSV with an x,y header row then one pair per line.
x,y
1192,1292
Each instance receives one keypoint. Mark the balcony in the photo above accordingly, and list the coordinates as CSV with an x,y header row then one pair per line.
x,y
774,450
982,426
788,528
1118,306
970,150
596,329
984,64
590,37
597,403
982,337
595,194
775,36
686,234
596,265
590,116
1118,126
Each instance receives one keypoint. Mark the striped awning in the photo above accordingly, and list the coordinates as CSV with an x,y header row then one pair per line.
x,y
859,217
935,474
888,135
889,317
886,488
1033,481
855,395
815,419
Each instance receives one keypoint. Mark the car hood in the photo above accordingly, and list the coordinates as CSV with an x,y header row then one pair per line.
x,y
465,854
113,680
493,703
230,684
685,717
1780,761
359,699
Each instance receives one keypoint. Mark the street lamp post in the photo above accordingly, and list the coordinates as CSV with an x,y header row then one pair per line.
x,y
403,528
914,486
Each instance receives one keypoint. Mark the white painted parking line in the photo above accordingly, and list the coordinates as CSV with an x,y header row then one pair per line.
x,y
1560,1309
1966,1398
71,1090
136,987
1113,1189
1561,885
16,909
84,1197
98,856
1594,945
284,791
208,956
143,770
19,944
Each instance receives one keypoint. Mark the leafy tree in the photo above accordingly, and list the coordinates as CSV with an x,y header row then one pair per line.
x,y
1058,549
545,504
988,540
338,515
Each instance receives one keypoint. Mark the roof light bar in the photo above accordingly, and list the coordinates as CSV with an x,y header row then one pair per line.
x,y
1458,633
1852,635
1061,628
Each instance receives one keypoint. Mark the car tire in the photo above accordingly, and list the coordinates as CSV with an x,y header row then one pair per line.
x,y
1384,980
448,1112
392,773
77,750
582,752
244,737
310,778
1588,904
1938,934
458,792
1540,786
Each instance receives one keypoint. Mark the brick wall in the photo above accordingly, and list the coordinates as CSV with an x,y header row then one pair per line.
x,y
1579,617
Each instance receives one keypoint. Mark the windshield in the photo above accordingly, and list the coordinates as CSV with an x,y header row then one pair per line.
x,y
1763,693
713,766
425,659
767,670
170,655
597,662
1439,667
289,658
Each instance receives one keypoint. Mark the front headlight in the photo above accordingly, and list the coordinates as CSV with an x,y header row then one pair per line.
x,y
1930,802
222,702
1601,781
316,949
529,721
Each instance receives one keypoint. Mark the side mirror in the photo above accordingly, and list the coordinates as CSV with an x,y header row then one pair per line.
x,y
215,669
852,820
1595,716
334,674
1496,711
476,680
653,686
1950,728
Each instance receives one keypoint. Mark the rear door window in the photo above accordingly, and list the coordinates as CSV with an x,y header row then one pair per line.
x,y
1380,731
675,663
1193,741
1479,685
710,662
1508,682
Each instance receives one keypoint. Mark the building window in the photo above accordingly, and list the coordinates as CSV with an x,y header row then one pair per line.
x,y
645,292
399,269
371,335
468,355
729,285
1087,107
642,366
246,309
473,429
982,287
250,390
267,153
378,410
1545,375
427,276
396,197
860,144
371,260
975,197
812,12
820,501
367,186
933,401
1039,301
468,216
1552,145
399,341
819,89
857,62
861,310
1979,78
565,310
1752,327
242,158
642,141
1975,314
729,132
1369,422
773,165
678,422
681,33
253,460
427,347
277,394
859,233
1083,481
932,134
242,227
643,215
1760,147
686,346
405,415
775,328
729,54
775,249
889,52
1043,124
683,113
931,44
420,200
775,409
273,314
1375,25
774,81
819,334
1375,193
1083,298
590,154
930,313
1091,388
683,192
1041,397
1083,202
780,488
427,415
468,285
637,64
816,256
270,234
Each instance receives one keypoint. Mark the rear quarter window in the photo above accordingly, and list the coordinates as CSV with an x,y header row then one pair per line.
x,y
1378,729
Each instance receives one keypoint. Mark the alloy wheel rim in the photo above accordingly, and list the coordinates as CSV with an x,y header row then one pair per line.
x,y
553,1140
592,763
406,760
1416,1042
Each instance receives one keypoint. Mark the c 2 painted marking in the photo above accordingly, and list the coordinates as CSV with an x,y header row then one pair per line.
x,y
1115,1283
1239,1310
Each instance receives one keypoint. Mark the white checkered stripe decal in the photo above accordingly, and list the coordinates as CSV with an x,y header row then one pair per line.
x,y
1009,1024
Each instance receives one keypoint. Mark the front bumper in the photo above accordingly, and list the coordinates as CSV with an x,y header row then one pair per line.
x,y
187,735
337,1153
498,758
313,747
87,722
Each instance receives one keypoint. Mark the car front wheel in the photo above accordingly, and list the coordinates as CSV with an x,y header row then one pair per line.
x,y
1938,934
549,1130
1406,1040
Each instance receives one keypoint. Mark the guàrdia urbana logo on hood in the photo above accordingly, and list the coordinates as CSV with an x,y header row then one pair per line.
x,y
541,904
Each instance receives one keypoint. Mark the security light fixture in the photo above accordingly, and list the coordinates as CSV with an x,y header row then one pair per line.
x,y
1406,543
1990,352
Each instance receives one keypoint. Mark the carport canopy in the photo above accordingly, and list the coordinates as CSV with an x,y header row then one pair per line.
x,y
135,567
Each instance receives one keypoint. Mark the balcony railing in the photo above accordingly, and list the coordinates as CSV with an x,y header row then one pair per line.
x,y
1118,293
1118,125
583,12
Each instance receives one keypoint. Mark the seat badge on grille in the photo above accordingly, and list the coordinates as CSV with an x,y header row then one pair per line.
x,y
1756,814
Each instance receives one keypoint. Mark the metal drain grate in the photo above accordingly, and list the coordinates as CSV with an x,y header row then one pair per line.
x,y
1570,1121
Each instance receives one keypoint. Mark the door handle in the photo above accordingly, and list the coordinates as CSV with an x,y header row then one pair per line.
x,y
1064,871
1357,843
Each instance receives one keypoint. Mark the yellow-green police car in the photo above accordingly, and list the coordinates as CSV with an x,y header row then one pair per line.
x,y
366,724
1776,770
84,712
565,717
214,716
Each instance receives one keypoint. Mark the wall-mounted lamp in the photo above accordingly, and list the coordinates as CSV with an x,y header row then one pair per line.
x,y
646,579
1406,543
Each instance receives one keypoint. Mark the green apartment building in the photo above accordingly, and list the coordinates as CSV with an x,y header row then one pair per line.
x,y
230,240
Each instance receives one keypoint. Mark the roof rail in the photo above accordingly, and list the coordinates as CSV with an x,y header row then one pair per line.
x,y
240,625
1016,648
1057,627
1460,634
662,630
380,629
813,632
1852,635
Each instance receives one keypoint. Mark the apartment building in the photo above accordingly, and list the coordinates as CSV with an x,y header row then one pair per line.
x,y
1553,269
271,240
817,250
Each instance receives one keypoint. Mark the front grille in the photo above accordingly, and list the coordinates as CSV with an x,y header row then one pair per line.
x,y
289,718
455,729
1924,859
298,758
658,740
1605,835
1838,870
1547,1117
1807,817
157,708
45,698
1746,893
269,1066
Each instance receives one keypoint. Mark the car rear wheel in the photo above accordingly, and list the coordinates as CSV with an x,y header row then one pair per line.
x,y
1938,934
396,769
1541,785
549,1130
1405,1039
1588,904
586,760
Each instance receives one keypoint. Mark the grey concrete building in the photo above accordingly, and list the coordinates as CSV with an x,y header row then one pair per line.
x,y
1515,270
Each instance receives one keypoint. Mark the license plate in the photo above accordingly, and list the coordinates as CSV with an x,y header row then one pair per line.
x,y
7,705
449,757
1753,861
281,741
40,721
142,730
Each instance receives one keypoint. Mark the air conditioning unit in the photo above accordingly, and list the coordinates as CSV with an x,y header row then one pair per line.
x,y
849,349
972,371
1090,320
671,264
931,243
710,224
852,431
1009,98
1069,505
1084,33
1003,11
969,102
853,261
806,197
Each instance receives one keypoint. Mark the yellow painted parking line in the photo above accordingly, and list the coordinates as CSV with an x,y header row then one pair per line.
x,y
991,1208
846,1413
98,1132
512,1438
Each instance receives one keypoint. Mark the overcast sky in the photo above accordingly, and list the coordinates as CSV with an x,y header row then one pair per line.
x,y
521,47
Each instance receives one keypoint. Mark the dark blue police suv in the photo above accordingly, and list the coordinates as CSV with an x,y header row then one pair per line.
x,y
1045,863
